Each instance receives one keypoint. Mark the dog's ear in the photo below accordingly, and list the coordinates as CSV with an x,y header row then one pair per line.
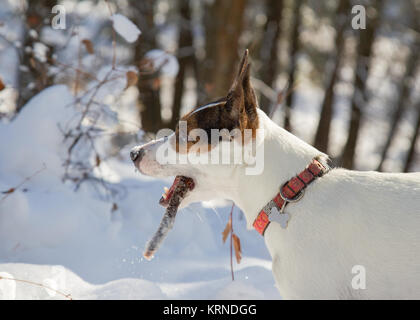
x,y
241,100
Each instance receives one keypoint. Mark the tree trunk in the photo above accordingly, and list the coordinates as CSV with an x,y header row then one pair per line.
x,y
403,98
269,48
149,98
366,40
294,48
224,22
322,134
34,77
185,60
412,151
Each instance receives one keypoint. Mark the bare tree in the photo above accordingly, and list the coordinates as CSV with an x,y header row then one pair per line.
x,y
294,48
402,102
224,24
186,57
323,131
412,150
269,47
405,86
364,51
33,72
149,98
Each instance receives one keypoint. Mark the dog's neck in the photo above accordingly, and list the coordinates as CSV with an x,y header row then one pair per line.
x,y
285,155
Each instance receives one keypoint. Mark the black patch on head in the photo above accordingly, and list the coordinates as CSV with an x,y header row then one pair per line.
x,y
217,117
236,110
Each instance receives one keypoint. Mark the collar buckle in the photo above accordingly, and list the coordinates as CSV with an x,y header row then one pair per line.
x,y
296,198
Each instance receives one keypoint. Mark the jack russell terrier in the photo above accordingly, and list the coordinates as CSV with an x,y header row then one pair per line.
x,y
331,233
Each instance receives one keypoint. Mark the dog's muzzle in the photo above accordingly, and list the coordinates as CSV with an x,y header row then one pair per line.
x,y
136,154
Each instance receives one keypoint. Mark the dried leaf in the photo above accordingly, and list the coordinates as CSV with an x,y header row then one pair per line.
x,y
156,83
33,20
208,87
227,230
2,85
280,97
97,160
32,62
88,45
11,190
237,246
132,78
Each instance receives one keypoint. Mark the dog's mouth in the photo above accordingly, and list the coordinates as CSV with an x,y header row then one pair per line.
x,y
169,193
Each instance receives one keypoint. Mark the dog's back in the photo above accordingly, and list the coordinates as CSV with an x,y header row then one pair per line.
x,y
351,223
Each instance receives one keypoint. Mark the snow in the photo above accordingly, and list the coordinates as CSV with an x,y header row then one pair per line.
x,y
59,282
125,28
35,133
73,242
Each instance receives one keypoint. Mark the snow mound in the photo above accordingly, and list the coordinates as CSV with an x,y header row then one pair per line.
x,y
60,283
34,138
72,241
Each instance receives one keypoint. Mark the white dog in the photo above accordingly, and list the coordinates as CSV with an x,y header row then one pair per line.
x,y
351,235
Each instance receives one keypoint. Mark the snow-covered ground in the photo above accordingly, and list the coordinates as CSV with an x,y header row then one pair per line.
x,y
80,244
73,242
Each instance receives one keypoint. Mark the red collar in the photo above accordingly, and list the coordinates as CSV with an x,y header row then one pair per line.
x,y
291,191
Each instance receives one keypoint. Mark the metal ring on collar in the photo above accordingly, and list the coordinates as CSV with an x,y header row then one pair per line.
x,y
297,197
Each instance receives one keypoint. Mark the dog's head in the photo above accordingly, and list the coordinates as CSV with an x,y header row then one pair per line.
x,y
209,144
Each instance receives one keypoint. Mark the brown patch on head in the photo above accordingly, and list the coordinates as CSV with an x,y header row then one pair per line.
x,y
238,110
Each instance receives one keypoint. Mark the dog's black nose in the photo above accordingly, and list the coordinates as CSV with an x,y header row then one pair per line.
x,y
136,154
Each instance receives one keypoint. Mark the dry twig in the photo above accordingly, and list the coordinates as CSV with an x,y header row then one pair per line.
x,y
67,296
11,190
